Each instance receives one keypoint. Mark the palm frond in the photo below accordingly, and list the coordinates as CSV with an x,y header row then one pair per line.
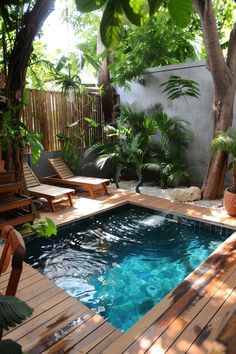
x,y
12,311
177,86
151,166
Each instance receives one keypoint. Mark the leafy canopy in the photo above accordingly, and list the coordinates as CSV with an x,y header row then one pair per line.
x,y
136,11
158,42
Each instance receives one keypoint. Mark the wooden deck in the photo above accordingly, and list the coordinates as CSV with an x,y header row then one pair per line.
x,y
190,319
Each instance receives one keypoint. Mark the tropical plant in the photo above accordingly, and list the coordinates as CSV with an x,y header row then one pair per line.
x,y
220,55
65,75
12,312
136,12
42,227
132,146
16,133
176,87
71,140
226,142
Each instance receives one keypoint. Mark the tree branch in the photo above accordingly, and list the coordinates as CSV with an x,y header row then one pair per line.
x,y
19,58
231,54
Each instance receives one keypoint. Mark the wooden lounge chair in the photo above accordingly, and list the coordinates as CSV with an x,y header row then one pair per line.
x,y
54,195
66,176
14,248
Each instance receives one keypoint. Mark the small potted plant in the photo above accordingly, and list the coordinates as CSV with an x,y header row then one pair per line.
x,y
226,142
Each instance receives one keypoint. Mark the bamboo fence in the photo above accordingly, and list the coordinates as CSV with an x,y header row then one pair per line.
x,y
48,113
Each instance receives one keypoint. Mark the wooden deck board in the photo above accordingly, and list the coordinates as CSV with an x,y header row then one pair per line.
x,y
188,318
86,330
200,331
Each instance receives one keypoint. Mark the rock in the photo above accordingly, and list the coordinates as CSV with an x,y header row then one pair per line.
x,y
186,194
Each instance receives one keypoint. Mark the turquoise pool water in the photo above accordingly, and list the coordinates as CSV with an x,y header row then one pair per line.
x,y
124,270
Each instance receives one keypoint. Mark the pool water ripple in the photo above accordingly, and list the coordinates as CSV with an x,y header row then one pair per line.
x,y
124,271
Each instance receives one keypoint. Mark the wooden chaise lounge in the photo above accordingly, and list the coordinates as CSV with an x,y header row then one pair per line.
x,y
54,195
66,176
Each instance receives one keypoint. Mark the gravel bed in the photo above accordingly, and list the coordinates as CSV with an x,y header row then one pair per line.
x,y
153,190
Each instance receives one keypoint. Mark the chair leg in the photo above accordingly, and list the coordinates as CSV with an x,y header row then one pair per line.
x,y
105,188
91,191
51,205
70,199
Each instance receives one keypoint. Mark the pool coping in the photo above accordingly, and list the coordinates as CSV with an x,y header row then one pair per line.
x,y
203,214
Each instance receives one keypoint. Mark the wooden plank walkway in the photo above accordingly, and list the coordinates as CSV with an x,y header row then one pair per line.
x,y
187,320
59,323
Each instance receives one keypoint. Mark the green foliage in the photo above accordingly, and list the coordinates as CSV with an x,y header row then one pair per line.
x,y
91,122
10,347
158,42
226,142
87,6
176,87
111,23
132,146
65,74
45,228
135,11
70,141
14,132
68,145
180,11
12,311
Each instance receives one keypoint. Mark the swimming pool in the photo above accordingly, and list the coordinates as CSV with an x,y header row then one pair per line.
x,y
122,263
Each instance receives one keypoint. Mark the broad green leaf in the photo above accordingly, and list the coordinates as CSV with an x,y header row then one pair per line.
x,y
111,24
51,226
140,7
134,11
61,63
180,11
89,5
92,62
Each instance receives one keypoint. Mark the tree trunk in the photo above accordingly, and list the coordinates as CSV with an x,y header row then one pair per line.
x,y
213,185
18,61
104,80
224,80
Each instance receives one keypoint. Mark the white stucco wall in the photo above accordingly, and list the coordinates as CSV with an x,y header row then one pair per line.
x,y
198,112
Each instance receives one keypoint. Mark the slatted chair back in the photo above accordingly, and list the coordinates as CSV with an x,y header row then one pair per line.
x,y
30,179
14,249
60,167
